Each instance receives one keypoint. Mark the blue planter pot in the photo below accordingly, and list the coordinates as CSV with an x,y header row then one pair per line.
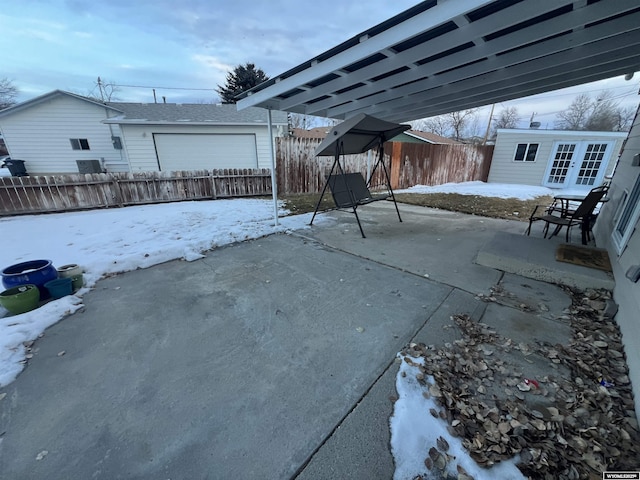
x,y
34,272
60,287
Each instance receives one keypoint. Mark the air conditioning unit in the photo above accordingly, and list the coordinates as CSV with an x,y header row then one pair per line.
x,y
89,166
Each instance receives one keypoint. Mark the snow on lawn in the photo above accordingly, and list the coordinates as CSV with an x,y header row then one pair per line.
x,y
110,241
500,190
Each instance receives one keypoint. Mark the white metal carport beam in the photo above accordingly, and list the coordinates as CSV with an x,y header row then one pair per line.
x,y
431,17
558,82
599,53
489,49
609,49
594,36
500,81
470,31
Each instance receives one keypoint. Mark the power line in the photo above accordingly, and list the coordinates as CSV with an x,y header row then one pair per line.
x,y
164,88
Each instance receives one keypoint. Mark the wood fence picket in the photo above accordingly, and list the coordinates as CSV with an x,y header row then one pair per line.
x,y
62,193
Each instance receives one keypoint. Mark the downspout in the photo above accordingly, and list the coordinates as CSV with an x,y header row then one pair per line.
x,y
274,185
122,159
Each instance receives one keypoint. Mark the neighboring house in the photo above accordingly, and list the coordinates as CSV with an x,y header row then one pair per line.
x,y
169,137
617,230
52,132
414,136
315,133
554,158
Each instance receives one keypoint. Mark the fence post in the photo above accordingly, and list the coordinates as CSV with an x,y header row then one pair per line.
x,y
212,178
117,194
396,161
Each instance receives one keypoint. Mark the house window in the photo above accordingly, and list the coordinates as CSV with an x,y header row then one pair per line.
x,y
79,143
628,217
526,152
117,142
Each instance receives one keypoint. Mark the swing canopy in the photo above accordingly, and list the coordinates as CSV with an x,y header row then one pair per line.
x,y
357,135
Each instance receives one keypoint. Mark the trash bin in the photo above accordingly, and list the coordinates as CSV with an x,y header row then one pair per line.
x,y
16,167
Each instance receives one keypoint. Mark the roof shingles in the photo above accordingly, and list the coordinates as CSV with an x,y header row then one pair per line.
x,y
192,113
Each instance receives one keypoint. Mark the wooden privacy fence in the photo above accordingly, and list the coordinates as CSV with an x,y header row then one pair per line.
x,y
409,164
60,193
436,163
300,171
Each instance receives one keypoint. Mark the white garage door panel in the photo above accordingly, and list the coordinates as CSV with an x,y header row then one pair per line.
x,y
205,151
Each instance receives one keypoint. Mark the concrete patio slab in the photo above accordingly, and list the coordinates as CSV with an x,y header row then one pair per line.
x,y
430,242
532,257
235,366
269,359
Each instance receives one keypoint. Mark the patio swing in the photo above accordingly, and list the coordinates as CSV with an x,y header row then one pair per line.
x,y
356,135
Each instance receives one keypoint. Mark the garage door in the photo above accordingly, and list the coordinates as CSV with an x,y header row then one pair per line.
x,y
205,151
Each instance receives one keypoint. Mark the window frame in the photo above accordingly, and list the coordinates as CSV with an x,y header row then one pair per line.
x,y
628,214
526,153
79,144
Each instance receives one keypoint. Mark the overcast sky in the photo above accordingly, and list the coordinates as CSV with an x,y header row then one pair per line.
x,y
191,44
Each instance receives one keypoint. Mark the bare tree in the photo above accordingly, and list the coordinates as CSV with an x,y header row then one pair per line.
x,y
576,115
438,125
460,121
624,119
507,118
457,125
306,122
108,90
8,93
600,114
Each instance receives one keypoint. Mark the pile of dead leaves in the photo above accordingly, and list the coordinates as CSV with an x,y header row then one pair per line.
x,y
575,423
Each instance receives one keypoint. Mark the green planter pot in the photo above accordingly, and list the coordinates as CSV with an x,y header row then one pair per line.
x,y
74,272
20,299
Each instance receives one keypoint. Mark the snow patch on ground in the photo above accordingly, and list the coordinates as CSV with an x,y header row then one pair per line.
x,y
499,190
414,431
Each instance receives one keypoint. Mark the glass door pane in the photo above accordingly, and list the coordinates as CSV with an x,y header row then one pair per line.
x,y
561,163
591,163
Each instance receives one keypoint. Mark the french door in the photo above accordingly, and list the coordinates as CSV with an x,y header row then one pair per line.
x,y
577,164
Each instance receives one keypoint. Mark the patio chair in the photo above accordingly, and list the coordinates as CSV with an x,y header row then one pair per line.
x,y
565,217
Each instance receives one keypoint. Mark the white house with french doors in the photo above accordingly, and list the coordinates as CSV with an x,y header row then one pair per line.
x,y
561,159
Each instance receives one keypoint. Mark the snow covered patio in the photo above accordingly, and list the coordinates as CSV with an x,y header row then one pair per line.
x,y
269,358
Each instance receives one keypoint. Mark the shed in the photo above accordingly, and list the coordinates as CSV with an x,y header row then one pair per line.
x,y
561,159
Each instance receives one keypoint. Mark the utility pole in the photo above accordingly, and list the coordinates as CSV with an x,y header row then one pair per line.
x,y
486,134
100,88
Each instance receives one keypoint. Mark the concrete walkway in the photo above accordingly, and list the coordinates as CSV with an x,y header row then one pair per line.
x,y
269,359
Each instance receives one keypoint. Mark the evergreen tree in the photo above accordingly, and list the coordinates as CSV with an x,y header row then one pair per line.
x,y
241,79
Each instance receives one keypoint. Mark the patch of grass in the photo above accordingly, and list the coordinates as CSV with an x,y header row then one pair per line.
x,y
306,202
507,208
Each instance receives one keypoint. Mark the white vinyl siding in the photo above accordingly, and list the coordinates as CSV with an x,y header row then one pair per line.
x,y
505,169
141,148
619,215
205,151
628,217
40,135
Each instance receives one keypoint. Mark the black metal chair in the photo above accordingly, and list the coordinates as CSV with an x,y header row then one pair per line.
x,y
561,216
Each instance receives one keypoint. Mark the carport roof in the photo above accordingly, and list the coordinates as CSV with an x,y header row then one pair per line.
x,y
449,55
